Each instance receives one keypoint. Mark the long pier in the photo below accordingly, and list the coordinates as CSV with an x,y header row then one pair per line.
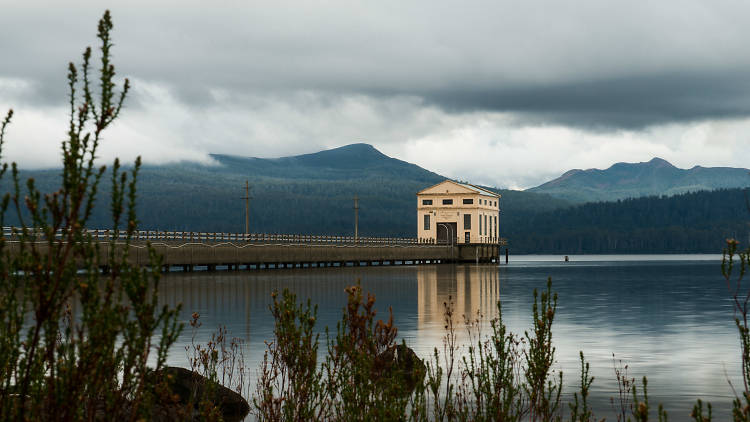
x,y
210,251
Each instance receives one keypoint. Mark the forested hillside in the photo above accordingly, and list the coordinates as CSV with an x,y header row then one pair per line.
x,y
311,194
692,222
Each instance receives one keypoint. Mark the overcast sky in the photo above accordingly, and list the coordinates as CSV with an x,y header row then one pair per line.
x,y
504,93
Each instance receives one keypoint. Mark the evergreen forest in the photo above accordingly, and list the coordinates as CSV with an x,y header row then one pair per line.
x,y
313,194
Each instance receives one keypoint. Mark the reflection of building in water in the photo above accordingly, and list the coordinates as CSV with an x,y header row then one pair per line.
x,y
472,288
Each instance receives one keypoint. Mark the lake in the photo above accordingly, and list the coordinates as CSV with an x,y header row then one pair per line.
x,y
666,316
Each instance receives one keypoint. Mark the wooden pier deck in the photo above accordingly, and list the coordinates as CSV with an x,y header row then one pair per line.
x,y
191,251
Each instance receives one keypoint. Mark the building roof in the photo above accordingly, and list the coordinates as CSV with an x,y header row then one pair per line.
x,y
480,190
471,188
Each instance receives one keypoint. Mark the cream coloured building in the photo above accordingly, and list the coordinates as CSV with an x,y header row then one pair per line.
x,y
453,212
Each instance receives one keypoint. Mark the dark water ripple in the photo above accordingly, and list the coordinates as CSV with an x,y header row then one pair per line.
x,y
667,317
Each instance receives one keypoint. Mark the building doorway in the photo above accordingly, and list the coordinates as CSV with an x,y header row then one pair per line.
x,y
446,233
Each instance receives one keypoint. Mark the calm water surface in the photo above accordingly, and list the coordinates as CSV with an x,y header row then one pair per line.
x,y
667,317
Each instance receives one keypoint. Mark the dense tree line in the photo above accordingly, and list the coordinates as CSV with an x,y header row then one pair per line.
x,y
694,222
191,197
200,198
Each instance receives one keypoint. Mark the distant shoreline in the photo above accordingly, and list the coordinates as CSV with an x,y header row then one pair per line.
x,y
615,257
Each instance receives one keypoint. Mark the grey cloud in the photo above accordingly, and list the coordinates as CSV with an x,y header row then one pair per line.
x,y
631,103
594,64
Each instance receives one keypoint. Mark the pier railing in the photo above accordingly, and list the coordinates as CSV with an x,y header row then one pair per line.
x,y
15,233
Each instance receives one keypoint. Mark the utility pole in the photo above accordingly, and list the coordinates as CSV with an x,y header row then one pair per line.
x,y
247,198
356,218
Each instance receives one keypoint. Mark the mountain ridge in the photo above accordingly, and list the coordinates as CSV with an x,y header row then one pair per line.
x,y
313,194
309,193
633,180
339,163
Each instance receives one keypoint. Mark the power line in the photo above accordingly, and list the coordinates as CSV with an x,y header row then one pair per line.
x,y
356,217
247,199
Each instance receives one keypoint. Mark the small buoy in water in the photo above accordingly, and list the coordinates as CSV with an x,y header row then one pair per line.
x,y
566,258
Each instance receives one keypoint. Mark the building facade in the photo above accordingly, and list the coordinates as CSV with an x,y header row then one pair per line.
x,y
453,212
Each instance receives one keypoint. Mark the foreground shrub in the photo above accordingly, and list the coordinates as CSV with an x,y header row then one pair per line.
x,y
734,265
78,325
289,386
366,375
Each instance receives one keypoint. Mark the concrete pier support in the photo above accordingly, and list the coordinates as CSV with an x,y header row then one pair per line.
x,y
267,256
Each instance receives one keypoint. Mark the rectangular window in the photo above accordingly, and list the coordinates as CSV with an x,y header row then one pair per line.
x,y
480,224
427,202
485,225
495,226
467,221
468,201
427,221
447,202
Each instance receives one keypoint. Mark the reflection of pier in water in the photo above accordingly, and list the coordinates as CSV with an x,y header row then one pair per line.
x,y
236,298
472,288
239,300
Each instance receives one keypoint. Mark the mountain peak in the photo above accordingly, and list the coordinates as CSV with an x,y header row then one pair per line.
x,y
352,155
359,146
654,163
660,162
348,162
